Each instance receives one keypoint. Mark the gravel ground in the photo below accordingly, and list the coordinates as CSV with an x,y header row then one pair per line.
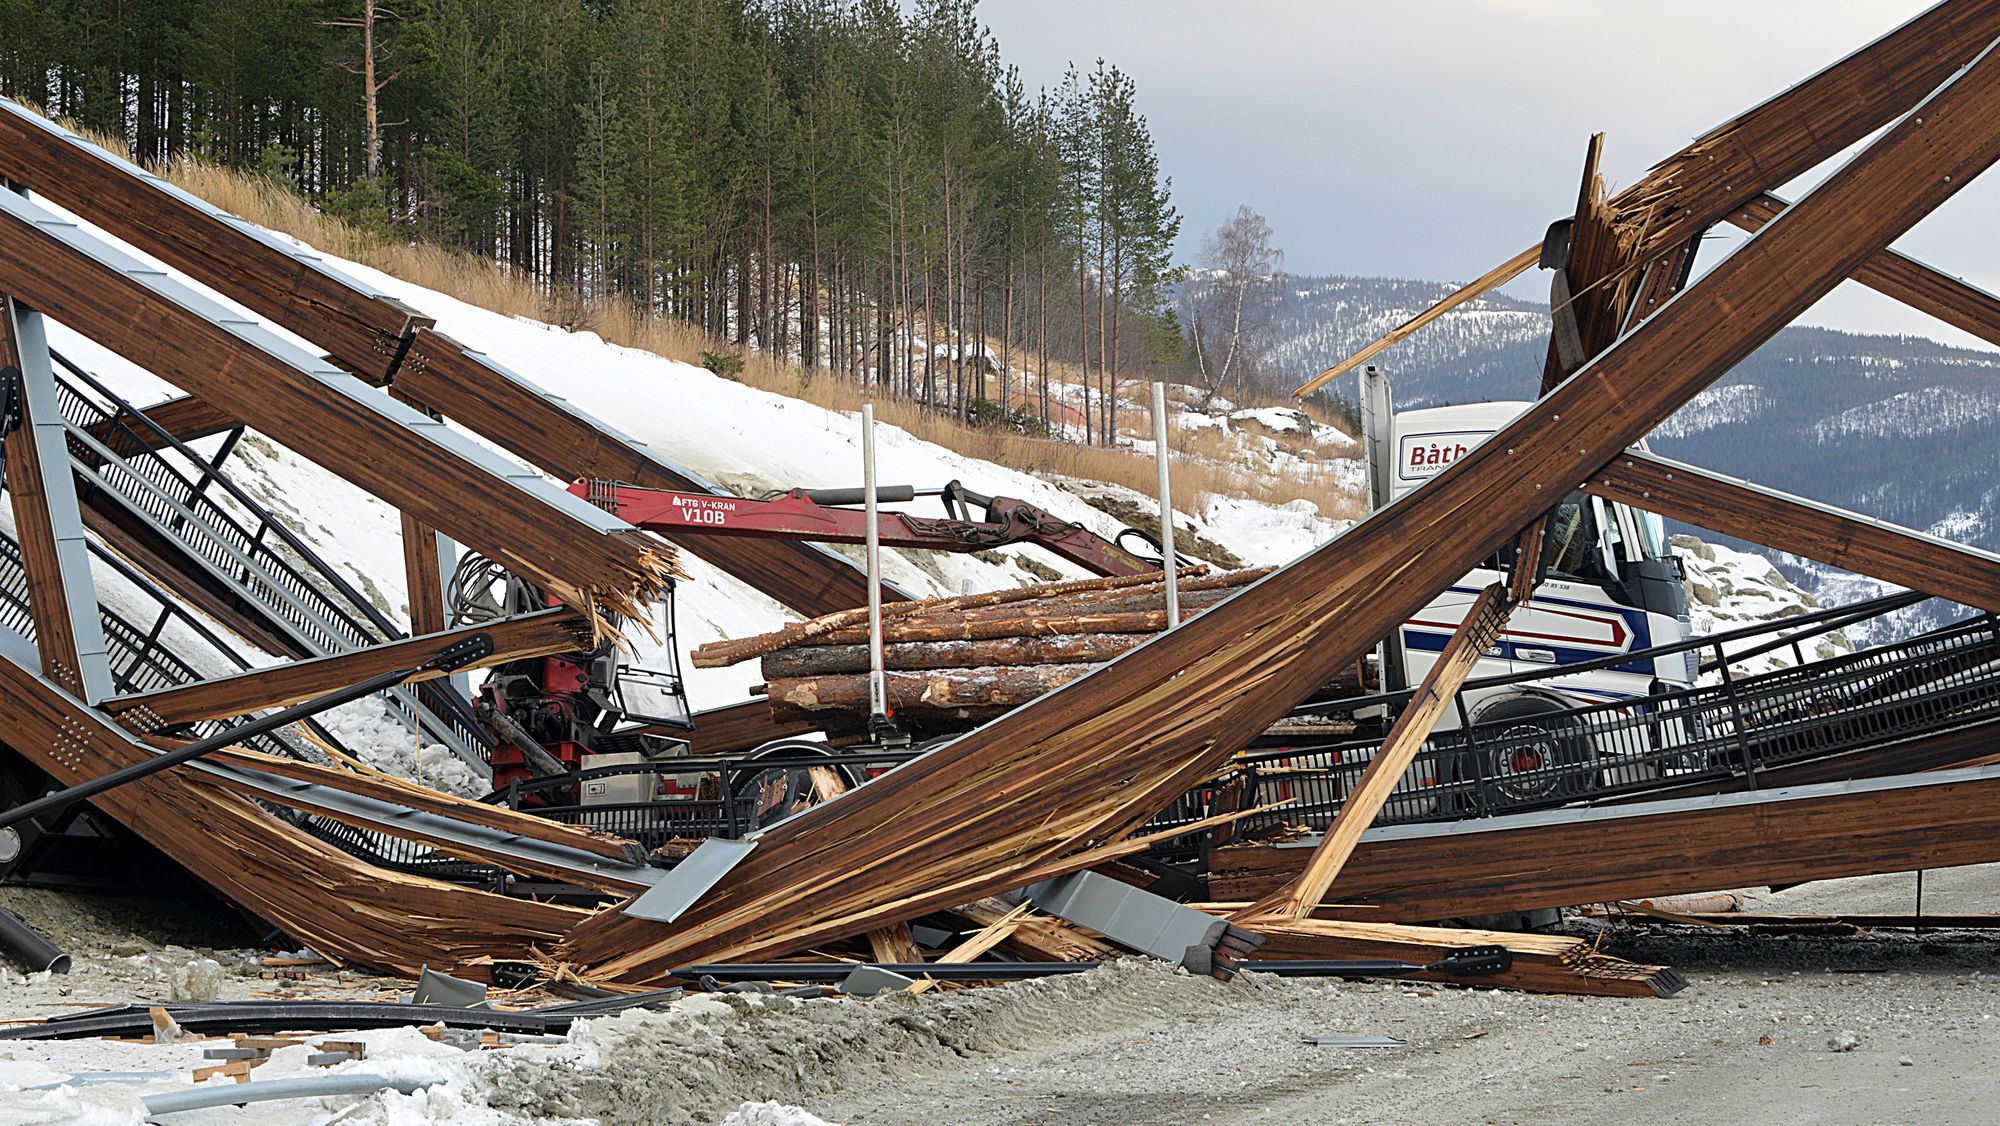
x,y
1881,1029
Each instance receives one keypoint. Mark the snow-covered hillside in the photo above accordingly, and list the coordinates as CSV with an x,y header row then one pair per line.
x,y
753,441
748,440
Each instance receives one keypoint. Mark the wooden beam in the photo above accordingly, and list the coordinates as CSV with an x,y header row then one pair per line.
x,y
1814,832
361,330
539,531
1479,287
1096,758
185,419
62,599
423,567
1469,642
1804,527
319,896
1892,273
550,631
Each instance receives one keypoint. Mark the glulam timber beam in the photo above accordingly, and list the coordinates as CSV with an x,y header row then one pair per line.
x,y
378,338
62,599
185,419
421,466
423,562
1820,532
1092,761
1893,274
1530,861
533,635
1469,642
318,895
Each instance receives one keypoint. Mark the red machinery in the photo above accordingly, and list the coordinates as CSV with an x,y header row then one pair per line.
x,y
814,514
546,714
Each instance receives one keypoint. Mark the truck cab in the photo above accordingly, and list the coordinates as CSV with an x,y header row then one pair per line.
x,y
1612,584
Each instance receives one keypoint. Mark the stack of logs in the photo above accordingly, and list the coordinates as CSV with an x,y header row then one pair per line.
x,y
955,662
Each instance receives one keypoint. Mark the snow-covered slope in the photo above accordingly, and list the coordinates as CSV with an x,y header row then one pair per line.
x,y
748,440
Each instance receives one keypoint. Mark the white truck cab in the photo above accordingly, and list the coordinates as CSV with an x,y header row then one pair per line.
x,y
1612,585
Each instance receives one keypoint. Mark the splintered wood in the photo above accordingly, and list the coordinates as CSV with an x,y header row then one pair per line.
x,y
1090,762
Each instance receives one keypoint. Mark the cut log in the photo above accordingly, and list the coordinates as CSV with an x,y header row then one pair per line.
x,y
964,629
1066,649
940,688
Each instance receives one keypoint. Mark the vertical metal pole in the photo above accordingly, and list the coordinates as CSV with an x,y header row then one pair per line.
x,y
1166,503
878,696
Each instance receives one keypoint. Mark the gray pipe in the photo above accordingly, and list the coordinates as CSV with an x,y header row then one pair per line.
x,y
305,1087
31,949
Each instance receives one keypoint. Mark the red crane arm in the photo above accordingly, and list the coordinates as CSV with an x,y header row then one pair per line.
x,y
796,515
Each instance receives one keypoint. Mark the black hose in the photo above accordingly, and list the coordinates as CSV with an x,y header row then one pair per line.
x,y
29,948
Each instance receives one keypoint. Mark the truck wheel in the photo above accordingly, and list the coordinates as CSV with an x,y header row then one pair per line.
x,y
773,793
1530,750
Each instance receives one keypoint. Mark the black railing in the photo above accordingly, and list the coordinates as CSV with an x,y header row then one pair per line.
x,y
1736,725
710,796
188,498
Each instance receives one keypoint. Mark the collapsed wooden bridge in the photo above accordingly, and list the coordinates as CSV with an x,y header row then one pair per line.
x,y
319,847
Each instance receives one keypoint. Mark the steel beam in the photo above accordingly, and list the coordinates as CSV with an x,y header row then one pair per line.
x,y
47,518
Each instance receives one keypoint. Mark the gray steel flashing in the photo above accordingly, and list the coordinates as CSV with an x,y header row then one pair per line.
x,y
413,824
48,432
867,981
1699,804
1132,917
679,889
337,383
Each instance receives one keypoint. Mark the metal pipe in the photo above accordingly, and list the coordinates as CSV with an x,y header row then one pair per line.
x,y
878,692
267,1090
29,948
1166,503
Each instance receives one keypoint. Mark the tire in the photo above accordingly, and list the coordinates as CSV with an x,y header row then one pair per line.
x,y
779,792
1530,752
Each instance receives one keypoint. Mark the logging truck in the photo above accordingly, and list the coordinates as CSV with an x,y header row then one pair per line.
x,y
1612,584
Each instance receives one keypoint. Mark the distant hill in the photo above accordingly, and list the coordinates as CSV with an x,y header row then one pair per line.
x,y
1898,427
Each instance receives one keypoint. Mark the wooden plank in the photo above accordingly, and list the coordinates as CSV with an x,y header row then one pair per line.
x,y
423,569
361,330
1921,286
185,419
539,531
1486,283
1803,527
316,894
62,599
1542,963
1099,756
533,635
1466,871
1469,642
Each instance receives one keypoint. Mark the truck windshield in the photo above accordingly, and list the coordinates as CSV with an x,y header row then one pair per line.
x,y
1652,534
1572,544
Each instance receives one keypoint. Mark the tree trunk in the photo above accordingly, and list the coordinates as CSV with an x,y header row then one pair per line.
x,y
823,660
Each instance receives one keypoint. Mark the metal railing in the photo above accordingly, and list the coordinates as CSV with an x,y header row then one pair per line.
x,y
223,529
711,796
1733,726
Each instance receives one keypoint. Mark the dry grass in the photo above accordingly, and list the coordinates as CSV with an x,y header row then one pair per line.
x,y
1203,467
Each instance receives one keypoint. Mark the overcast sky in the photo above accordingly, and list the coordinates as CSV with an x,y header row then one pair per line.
x,y
1435,138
